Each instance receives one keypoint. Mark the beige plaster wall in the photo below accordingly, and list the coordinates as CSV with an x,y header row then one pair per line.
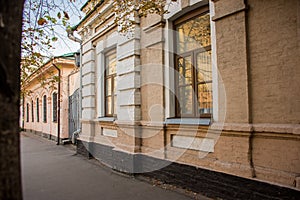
x,y
38,91
257,57
274,58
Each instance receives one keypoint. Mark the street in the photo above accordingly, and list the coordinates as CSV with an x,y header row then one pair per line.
x,y
57,173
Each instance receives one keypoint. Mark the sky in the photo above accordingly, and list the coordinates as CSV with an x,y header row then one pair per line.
x,y
64,45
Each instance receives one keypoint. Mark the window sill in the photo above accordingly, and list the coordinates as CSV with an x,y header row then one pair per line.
x,y
189,121
105,119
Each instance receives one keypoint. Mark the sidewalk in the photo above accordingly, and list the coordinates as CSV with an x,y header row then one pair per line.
x,y
51,172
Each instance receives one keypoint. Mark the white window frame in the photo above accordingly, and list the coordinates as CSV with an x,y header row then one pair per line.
x,y
102,47
169,76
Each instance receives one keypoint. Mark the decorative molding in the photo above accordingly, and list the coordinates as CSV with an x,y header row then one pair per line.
x,y
258,127
222,16
152,27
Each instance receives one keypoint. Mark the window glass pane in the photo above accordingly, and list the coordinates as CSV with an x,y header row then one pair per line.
x,y
32,112
108,106
44,108
111,63
27,112
193,34
54,102
186,99
205,98
37,110
115,104
185,70
204,72
108,87
115,84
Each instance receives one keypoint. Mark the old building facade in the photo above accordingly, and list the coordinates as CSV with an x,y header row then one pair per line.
x,y
211,85
47,91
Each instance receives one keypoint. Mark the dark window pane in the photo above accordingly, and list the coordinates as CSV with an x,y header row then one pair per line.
x,y
32,112
37,110
44,108
54,107
27,112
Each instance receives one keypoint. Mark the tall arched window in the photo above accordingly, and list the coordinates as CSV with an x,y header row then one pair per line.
x,y
27,112
32,111
37,110
44,108
193,64
54,107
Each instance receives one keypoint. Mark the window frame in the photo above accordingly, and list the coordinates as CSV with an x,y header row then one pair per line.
x,y
112,77
193,53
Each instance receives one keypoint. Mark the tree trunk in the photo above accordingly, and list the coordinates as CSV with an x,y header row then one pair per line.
x,y
10,40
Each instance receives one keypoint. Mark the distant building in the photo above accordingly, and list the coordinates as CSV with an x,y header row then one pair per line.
x,y
45,92
213,86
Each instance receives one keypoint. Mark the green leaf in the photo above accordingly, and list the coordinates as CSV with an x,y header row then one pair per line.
x,y
59,15
54,39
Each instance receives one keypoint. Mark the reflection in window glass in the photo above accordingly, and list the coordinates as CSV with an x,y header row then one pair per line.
x,y
205,98
193,34
185,70
194,81
110,83
204,71
186,99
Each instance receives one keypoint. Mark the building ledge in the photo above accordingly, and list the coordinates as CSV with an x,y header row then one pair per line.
x,y
189,121
105,119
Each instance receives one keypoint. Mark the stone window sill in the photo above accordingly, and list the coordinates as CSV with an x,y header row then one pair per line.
x,y
105,119
189,121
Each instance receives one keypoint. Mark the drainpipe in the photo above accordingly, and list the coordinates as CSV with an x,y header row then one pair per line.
x,y
164,92
250,151
75,39
58,106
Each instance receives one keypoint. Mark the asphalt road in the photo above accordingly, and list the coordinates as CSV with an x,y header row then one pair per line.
x,y
51,172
